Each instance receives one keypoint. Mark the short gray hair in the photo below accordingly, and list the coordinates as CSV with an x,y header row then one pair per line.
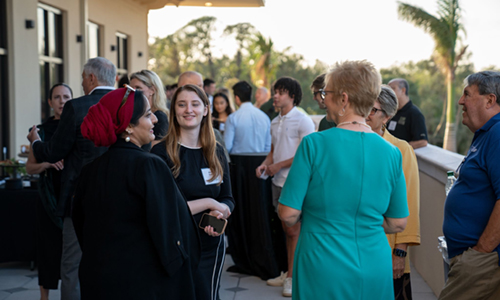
x,y
402,83
487,82
103,69
388,101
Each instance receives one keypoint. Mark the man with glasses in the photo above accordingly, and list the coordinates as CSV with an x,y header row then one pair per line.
x,y
409,123
98,78
472,209
317,88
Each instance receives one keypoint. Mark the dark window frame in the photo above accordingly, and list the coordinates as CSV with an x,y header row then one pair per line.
x,y
94,26
52,58
4,83
121,54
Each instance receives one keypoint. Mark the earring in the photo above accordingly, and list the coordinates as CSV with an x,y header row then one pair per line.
x,y
343,112
127,139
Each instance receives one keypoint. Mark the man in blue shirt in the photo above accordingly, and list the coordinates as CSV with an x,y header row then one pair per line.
x,y
472,209
248,130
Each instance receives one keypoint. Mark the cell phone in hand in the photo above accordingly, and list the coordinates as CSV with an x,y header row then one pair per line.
x,y
219,225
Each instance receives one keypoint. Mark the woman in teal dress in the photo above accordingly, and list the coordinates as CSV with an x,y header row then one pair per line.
x,y
346,186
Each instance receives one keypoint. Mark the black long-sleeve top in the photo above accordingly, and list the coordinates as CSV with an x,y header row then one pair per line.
x,y
190,180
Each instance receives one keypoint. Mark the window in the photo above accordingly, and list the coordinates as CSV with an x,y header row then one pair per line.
x,y
94,40
121,50
50,51
4,96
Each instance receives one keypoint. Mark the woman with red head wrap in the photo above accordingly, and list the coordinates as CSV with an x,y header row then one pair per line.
x,y
136,232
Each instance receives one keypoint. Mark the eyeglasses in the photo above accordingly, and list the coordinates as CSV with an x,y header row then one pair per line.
x,y
124,100
375,110
324,92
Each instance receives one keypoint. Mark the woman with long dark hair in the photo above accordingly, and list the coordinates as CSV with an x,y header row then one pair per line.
x,y
222,110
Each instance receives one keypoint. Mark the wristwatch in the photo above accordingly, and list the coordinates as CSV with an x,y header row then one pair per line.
x,y
399,252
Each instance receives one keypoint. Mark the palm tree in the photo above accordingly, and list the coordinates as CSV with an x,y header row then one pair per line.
x,y
444,29
265,59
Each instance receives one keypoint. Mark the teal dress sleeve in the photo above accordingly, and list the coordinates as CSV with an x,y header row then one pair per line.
x,y
297,182
398,205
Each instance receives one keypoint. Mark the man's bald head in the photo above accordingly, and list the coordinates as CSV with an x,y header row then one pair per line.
x,y
261,95
190,77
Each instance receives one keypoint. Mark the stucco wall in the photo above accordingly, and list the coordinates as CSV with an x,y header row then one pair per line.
x,y
125,16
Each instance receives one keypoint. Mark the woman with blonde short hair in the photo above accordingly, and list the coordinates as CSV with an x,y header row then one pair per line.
x,y
347,187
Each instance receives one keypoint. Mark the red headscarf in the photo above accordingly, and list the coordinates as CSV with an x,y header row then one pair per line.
x,y
104,121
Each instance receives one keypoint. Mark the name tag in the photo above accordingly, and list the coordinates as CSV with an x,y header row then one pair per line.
x,y
392,125
207,175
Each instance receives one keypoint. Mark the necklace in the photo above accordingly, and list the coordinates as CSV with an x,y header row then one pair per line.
x,y
354,123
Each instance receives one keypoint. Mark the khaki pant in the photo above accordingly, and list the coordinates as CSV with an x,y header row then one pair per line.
x,y
473,275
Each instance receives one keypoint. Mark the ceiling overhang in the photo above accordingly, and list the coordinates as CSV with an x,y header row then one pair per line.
x,y
156,4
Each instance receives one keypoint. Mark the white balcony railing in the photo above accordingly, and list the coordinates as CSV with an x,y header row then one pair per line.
x,y
433,162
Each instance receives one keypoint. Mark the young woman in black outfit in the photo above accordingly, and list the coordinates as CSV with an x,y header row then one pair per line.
x,y
49,229
201,171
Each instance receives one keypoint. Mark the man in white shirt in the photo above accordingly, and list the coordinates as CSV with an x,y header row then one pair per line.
x,y
287,131
247,130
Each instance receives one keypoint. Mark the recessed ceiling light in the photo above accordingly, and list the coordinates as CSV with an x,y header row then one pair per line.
x,y
208,4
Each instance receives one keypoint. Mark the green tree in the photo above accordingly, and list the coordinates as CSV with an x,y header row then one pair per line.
x,y
164,58
196,39
444,29
245,35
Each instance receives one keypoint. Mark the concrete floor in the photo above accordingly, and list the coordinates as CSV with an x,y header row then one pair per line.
x,y
243,287
17,282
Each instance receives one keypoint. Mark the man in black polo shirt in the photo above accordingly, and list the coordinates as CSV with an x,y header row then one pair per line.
x,y
409,123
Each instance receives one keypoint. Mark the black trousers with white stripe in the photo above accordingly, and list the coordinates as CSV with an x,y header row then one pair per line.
x,y
207,278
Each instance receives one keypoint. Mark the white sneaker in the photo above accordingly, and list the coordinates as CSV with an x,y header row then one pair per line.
x,y
287,287
278,281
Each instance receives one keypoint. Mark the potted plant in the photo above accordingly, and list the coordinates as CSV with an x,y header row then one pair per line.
x,y
16,170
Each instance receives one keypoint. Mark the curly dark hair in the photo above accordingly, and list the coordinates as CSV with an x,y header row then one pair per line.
x,y
291,86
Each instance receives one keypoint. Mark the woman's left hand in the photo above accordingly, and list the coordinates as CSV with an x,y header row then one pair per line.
x,y
211,232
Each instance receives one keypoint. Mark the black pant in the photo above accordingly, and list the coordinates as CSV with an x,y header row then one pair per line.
x,y
402,287
207,278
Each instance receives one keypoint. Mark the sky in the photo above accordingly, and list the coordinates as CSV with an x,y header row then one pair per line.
x,y
331,31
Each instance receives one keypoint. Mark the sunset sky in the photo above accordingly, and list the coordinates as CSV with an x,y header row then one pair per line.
x,y
332,31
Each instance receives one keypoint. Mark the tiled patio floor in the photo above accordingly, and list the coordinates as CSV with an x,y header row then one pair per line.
x,y
17,282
